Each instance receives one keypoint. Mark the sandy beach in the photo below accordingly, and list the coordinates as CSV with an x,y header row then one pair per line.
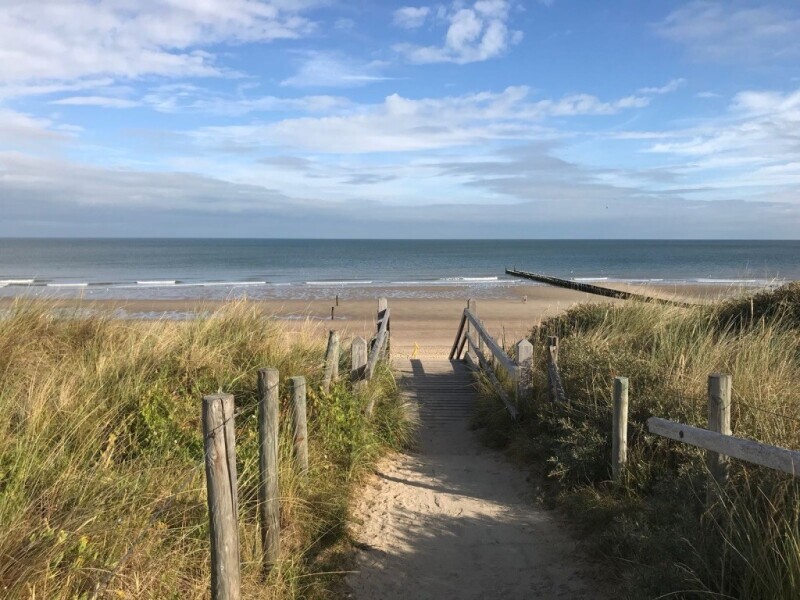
x,y
421,327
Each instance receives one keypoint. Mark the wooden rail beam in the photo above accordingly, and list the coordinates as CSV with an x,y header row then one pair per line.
x,y
773,457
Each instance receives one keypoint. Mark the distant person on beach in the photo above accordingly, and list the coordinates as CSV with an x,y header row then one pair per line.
x,y
525,299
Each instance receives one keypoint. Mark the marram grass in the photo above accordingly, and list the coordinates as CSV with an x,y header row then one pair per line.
x,y
102,485
656,528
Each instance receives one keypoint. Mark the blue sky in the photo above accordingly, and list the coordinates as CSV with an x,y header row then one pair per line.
x,y
315,118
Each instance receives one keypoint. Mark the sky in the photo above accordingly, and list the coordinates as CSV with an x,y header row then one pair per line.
x,y
335,118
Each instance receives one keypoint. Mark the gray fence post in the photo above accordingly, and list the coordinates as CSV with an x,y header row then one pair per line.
x,y
220,454
358,356
298,385
331,361
269,500
524,354
719,420
383,304
619,440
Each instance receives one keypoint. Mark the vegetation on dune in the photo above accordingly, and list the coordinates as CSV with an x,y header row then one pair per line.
x,y
102,484
656,526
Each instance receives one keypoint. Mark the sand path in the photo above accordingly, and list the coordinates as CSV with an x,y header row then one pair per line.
x,y
452,519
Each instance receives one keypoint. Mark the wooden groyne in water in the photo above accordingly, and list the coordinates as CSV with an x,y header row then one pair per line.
x,y
592,289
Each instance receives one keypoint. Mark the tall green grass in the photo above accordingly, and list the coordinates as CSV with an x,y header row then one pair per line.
x,y
662,538
102,485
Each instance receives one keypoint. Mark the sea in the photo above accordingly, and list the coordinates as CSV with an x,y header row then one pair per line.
x,y
309,269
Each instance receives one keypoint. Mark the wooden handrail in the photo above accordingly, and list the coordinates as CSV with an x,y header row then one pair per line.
x,y
487,368
499,354
774,457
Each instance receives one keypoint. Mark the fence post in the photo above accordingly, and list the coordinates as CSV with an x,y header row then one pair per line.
x,y
552,365
472,306
383,304
619,440
331,361
358,356
298,385
220,453
552,341
268,498
524,354
719,420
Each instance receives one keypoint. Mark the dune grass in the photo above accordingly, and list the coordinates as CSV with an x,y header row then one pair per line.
x,y
662,538
102,487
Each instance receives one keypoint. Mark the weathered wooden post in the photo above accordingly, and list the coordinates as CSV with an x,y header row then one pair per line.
x,y
268,498
220,453
524,354
619,440
472,355
331,361
358,355
552,366
383,304
552,341
719,420
298,385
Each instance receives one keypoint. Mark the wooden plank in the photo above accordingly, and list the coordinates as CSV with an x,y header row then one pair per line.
x,y
268,493
773,457
591,289
495,348
456,344
220,484
298,385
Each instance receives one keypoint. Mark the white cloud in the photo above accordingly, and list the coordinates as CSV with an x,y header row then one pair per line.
x,y
326,69
18,128
188,98
706,95
754,145
671,86
102,101
411,17
733,33
74,39
400,124
476,33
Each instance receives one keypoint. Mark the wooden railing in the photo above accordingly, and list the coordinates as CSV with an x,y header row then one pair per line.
x,y
717,440
473,335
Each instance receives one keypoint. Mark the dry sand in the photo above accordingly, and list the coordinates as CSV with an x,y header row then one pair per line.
x,y
453,519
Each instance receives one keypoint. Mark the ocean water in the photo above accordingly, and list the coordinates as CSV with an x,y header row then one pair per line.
x,y
195,268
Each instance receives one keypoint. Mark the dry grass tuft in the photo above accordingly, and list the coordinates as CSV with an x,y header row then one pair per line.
x,y
101,476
